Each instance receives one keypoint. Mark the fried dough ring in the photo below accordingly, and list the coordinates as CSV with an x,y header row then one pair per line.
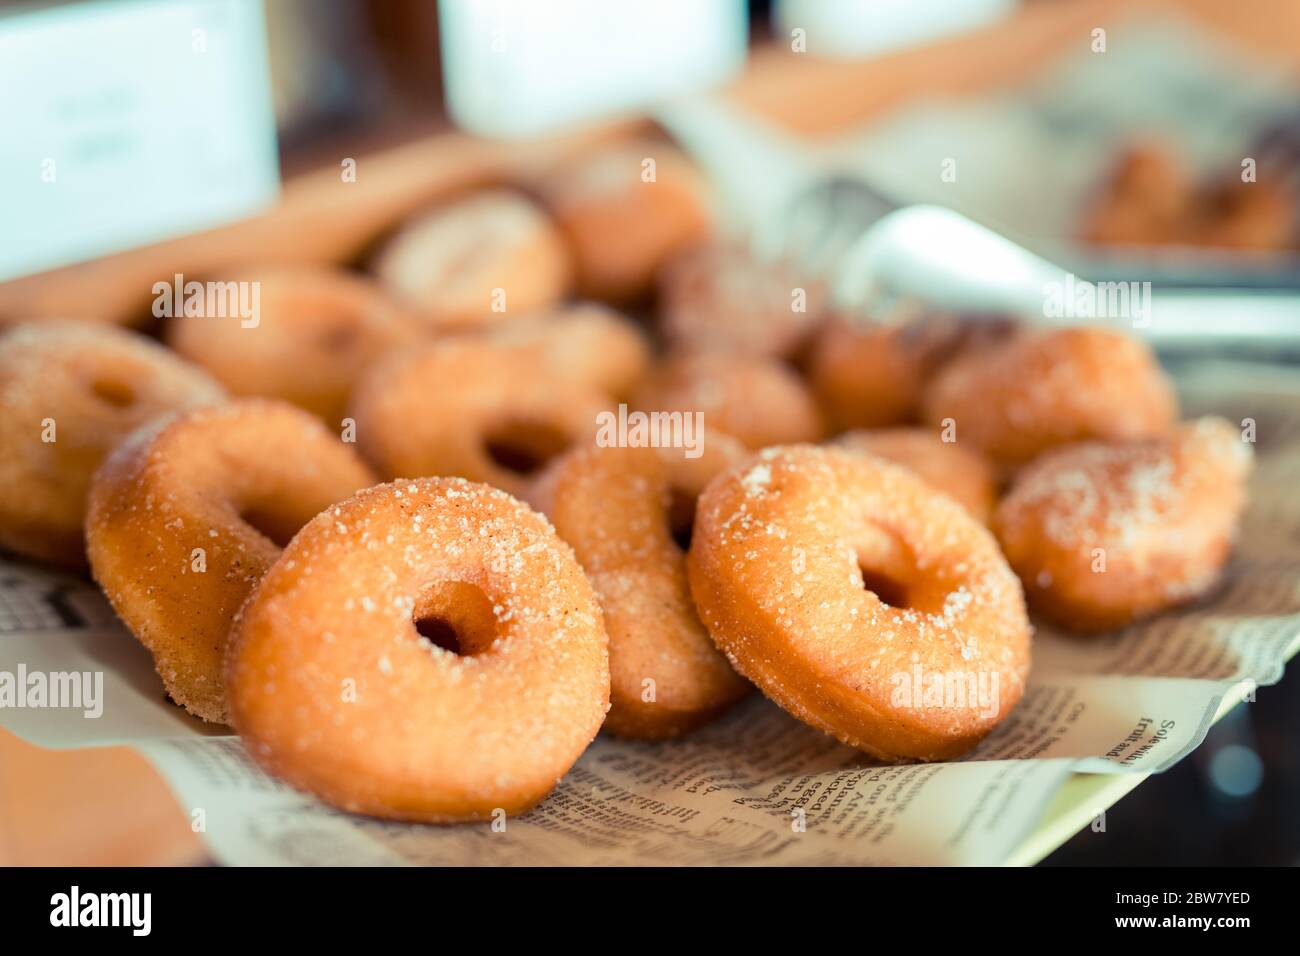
x,y
428,650
831,578
186,515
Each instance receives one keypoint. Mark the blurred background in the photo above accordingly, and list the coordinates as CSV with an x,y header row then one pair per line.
x,y
1110,136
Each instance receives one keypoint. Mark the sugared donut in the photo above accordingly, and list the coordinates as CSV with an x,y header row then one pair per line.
x,y
1144,199
871,374
961,473
188,512
1052,387
860,600
428,650
723,296
472,409
587,342
625,512
1102,534
316,330
1232,214
757,400
69,391
490,257
626,210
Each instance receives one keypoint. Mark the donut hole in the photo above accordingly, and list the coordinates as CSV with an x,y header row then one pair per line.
x,y
272,524
524,446
456,617
113,392
681,517
891,572
890,590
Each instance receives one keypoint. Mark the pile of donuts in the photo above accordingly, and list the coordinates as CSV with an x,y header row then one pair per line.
x,y
378,535
1150,197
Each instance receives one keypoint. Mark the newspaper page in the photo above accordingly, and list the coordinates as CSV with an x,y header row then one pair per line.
x,y
757,786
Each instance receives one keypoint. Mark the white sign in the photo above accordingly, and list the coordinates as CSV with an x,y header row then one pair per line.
x,y
515,68
126,123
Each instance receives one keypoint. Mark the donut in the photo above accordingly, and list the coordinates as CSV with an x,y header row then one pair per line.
x,y
1051,387
468,408
960,473
1149,197
861,600
757,400
427,650
872,373
626,210
1232,214
587,341
316,330
1143,199
70,391
187,514
1103,534
626,511
722,296
480,260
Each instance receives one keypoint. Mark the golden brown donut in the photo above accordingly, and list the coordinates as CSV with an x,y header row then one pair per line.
x,y
186,515
487,258
1050,387
757,400
852,593
428,650
720,295
621,223
624,511
1102,534
69,392
1144,199
961,473
871,374
587,341
1232,214
317,329
470,408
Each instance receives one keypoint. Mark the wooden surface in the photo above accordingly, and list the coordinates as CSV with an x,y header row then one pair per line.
x,y
109,806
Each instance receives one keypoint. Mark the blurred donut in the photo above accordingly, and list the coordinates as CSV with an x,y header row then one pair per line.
x,y
757,400
428,650
186,515
722,296
317,329
488,258
1051,387
626,210
1102,534
587,341
70,391
844,587
1143,199
961,473
871,374
1237,215
470,408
